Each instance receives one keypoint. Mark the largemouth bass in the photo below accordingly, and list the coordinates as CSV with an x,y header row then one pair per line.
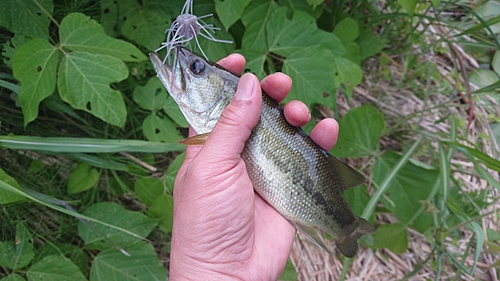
x,y
302,181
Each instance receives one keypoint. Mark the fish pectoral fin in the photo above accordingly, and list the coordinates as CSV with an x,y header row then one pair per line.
x,y
195,140
349,246
348,176
312,233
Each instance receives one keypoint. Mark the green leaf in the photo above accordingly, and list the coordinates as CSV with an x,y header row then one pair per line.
x,y
174,112
315,3
35,65
86,145
172,171
310,82
408,5
286,37
13,277
27,17
160,129
148,189
217,50
347,30
301,6
11,46
357,198
152,96
163,209
348,74
391,236
17,254
55,268
74,253
142,265
79,32
407,190
488,161
255,62
5,195
84,82
360,131
495,63
230,11
145,24
289,273
369,44
82,178
113,214
255,19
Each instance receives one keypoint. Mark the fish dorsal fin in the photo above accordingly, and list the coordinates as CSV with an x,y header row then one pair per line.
x,y
195,140
348,176
312,233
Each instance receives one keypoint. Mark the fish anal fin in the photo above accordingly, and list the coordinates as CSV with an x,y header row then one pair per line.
x,y
312,233
346,174
349,246
195,140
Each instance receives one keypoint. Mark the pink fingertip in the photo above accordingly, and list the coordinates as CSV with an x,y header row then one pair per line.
x,y
326,133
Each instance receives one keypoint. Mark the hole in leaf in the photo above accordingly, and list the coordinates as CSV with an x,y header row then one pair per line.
x,y
134,27
106,11
325,95
157,131
134,57
157,92
38,13
39,68
89,107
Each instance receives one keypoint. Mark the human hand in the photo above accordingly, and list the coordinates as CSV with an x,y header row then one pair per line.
x,y
222,229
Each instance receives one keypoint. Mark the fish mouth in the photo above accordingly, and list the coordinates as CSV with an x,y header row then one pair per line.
x,y
170,75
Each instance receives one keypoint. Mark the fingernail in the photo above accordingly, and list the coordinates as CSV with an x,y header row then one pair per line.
x,y
245,87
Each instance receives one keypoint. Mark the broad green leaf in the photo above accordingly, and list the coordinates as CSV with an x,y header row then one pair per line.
x,y
347,30
391,236
408,5
146,24
310,70
110,16
10,47
348,74
230,11
286,37
255,19
360,131
369,44
5,195
301,6
82,178
495,63
435,3
116,215
27,17
315,3
13,277
289,273
152,96
174,112
142,265
84,82
407,191
36,166
35,65
148,189
160,129
255,62
55,268
483,77
172,171
86,145
18,253
79,32
163,209
357,198
74,253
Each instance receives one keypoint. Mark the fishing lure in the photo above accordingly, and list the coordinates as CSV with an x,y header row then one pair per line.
x,y
186,27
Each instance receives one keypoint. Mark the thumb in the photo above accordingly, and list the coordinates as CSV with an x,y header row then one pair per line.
x,y
227,139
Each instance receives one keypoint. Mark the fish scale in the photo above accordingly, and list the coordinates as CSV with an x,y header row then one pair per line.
x,y
302,181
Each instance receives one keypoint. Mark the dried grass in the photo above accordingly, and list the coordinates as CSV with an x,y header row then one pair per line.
x,y
401,106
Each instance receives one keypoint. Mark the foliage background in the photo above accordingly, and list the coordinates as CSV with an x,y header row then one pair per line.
x,y
88,135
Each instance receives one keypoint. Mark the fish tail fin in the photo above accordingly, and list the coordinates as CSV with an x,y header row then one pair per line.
x,y
349,246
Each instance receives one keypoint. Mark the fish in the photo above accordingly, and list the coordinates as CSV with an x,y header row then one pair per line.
x,y
299,179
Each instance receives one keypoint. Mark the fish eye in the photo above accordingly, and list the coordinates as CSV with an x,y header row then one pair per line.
x,y
197,67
